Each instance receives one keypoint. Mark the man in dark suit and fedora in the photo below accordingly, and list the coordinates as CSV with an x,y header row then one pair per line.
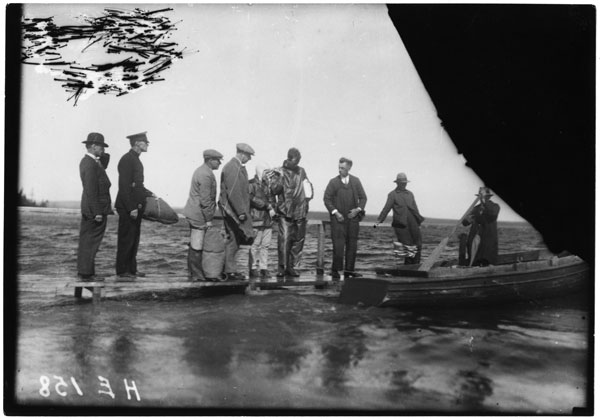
x,y
130,204
95,205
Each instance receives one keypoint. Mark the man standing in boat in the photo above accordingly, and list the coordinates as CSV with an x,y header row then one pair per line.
x,y
234,202
130,205
292,207
407,219
200,209
345,200
482,242
95,205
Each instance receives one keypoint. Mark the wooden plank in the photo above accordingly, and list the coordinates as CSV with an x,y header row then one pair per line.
x,y
321,250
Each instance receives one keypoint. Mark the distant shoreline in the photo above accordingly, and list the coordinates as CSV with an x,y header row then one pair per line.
x,y
72,207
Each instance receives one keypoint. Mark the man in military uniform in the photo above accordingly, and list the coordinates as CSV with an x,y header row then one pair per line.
x,y
130,204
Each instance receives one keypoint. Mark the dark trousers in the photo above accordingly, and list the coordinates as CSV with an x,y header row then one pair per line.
x,y
90,237
232,244
344,237
128,241
290,242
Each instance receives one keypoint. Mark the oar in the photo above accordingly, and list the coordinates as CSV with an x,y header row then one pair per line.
x,y
428,263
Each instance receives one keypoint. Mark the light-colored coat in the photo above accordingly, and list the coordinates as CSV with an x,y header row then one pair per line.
x,y
201,203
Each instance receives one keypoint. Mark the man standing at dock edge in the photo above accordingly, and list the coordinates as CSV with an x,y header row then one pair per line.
x,y
345,200
200,210
130,204
234,202
95,205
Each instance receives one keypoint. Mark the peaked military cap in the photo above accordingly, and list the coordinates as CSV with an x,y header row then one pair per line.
x,y
95,138
138,137
212,154
245,148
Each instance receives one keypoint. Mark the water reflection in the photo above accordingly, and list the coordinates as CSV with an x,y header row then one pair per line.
x,y
344,350
209,346
474,389
123,349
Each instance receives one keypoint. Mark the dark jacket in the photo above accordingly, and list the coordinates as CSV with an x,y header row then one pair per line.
x,y
291,200
483,220
260,203
202,200
331,195
235,194
404,205
132,193
95,198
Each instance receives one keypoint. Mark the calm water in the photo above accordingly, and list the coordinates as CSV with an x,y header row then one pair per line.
x,y
288,350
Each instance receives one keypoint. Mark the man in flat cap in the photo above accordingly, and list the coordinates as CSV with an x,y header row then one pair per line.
x,y
130,204
234,202
95,206
200,209
406,219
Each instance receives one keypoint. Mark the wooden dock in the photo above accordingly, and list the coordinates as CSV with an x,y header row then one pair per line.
x,y
160,286
41,288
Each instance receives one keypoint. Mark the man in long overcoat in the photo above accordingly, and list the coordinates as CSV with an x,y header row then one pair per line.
x,y
234,201
95,205
406,219
482,242
200,209
130,205
345,200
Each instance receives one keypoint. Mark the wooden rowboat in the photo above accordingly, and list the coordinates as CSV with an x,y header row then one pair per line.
x,y
517,277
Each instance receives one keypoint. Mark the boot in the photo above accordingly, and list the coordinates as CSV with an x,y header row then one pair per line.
x,y
195,265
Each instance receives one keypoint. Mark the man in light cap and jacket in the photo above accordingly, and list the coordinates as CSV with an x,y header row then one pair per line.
x,y
200,209
234,202
95,205
130,205
407,219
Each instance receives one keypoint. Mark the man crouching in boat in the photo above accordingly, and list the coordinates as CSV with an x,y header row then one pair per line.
x,y
482,243
407,219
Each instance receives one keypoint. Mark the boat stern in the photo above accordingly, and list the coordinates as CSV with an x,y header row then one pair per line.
x,y
363,291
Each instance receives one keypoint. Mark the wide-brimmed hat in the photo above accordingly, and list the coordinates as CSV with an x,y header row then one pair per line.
x,y
245,148
484,191
212,154
401,178
95,138
133,138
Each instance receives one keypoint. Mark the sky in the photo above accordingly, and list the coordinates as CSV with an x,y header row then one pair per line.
x,y
332,80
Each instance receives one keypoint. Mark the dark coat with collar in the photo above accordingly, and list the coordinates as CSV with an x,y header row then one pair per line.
x,y
331,195
95,198
132,193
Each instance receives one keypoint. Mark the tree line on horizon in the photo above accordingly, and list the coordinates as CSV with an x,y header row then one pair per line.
x,y
27,202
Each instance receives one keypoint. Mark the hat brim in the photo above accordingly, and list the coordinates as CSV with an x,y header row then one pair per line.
x,y
93,142
401,181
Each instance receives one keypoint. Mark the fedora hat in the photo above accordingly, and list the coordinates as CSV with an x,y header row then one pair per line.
x,y
401,177
484,191
95,138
